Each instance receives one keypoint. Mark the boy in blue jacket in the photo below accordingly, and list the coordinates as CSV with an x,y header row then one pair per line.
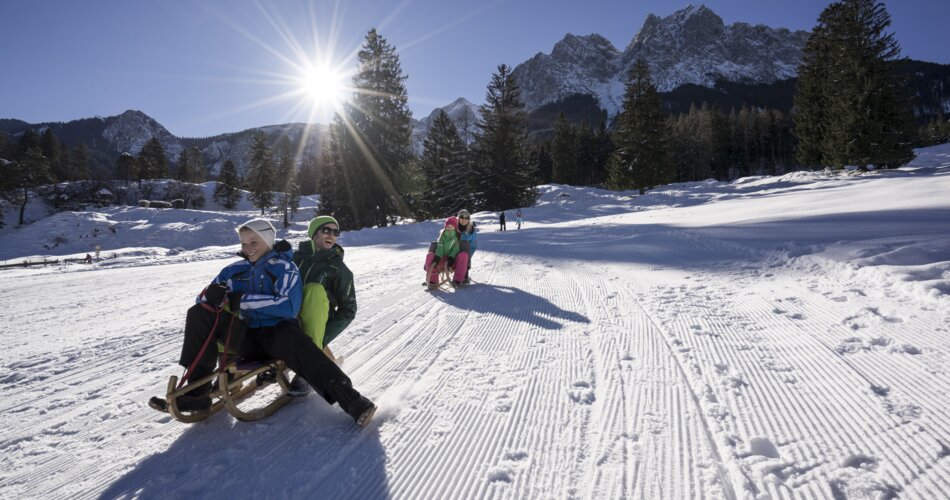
x,y
263,292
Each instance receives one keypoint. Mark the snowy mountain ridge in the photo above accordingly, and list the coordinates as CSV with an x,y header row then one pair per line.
x,y
129,131
461,112
692,45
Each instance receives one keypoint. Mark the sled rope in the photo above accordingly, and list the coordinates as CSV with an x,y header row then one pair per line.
x,y
204,347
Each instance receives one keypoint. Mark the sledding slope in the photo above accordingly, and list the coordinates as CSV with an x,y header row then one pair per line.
x,y
769,338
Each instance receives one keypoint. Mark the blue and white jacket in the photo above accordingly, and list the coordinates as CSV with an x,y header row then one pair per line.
x,y
271,287
471,237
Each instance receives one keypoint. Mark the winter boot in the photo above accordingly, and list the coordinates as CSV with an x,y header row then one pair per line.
x,y
266,378
197,400
353,403
298,387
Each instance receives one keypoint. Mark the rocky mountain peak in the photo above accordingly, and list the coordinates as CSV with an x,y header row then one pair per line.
x,y
461,112
692,45
129,131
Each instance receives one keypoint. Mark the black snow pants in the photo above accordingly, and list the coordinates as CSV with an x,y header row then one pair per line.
x,y
285,340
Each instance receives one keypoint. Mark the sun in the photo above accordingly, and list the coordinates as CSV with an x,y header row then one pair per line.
x,y
323,86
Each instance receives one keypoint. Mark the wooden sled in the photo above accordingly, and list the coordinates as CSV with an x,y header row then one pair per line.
x,y
445,276
236,382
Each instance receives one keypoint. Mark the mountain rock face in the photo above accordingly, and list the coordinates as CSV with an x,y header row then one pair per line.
x,y
305,138
128,132
462,113
692,45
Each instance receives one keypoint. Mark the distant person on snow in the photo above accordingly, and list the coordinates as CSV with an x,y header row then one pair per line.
x,y
519,219
445,253
255,302
329,298
501,221
469,234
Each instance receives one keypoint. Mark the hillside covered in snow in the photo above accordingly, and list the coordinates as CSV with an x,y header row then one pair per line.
x,y
773,337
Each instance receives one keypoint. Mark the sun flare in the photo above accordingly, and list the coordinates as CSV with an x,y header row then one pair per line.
x,y
324,86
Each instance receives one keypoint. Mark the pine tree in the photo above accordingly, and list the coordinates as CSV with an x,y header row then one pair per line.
x,y
377,132
191,166
7,149
79,162
447,183
182,172
642,159
27,141
539,158
307,175
504,176
293,201
285,178
260,175
603,149
335,183
52,150
126,167
226,192
586,154
30,170
850,108
563,152
152,160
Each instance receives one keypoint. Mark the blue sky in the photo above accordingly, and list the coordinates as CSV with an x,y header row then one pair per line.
x,y
205,67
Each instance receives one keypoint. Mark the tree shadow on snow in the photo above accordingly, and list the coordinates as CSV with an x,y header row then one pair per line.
x,y
306,450
511,302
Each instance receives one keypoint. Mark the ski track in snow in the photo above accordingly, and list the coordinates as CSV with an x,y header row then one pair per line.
x,y
770,375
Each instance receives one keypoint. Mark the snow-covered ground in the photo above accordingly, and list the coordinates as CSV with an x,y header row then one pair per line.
x,y
777,337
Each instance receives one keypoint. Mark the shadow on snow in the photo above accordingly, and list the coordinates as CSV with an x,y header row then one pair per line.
x,y
513,303
308,449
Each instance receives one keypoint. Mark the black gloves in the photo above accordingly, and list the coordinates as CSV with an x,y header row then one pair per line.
x,y
214,294
217,293
234,301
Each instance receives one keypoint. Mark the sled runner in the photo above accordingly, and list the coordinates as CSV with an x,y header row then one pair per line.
x,y
443,276
237,381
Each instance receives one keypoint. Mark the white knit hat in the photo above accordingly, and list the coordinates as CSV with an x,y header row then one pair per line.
x,y
263,228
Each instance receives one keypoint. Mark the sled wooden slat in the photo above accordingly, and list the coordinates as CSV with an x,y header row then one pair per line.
x,y
233,386
445,276
230,399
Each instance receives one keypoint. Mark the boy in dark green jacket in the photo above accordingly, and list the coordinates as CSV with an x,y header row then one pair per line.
x,y
329,299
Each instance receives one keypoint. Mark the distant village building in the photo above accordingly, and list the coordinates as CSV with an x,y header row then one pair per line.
x,y
104,197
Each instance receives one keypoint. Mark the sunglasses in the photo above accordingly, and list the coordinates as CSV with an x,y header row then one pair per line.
x,y
463,218
329,230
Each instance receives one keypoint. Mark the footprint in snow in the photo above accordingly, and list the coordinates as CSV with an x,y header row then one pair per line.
x,y
762,447
516,456
880,391
906,349
500,475
860,461
582,393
